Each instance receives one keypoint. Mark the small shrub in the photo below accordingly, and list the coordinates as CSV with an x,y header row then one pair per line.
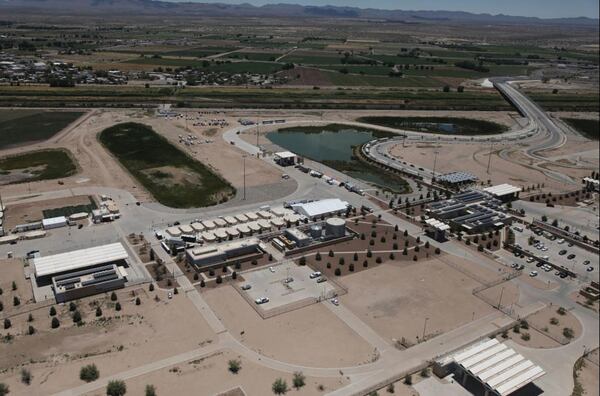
x,y
525,337
408,380
89,373
7,324
118,306
25,376
299,380
338,272
116,388
234,366
138,301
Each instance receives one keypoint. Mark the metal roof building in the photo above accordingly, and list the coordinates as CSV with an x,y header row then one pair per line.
x,y
502,190
457,177
498,368
78,259
320,208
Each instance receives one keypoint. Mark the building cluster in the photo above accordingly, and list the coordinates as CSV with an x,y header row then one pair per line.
x,y
16,70
206,77
472,211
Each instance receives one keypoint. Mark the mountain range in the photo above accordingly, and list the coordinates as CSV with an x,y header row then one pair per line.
x,y
156,7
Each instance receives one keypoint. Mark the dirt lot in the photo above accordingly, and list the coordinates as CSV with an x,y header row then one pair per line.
x,y
136,335
588,376
311,336
474,158
209,376
11,270
395,299
20,213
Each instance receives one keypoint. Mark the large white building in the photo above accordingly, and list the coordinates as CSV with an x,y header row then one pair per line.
x,y
319,208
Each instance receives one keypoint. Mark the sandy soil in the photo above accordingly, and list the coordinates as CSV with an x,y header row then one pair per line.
x,y
395,300
588,376
474,158
12,270
210,376
20,213
541,320
311,336
134,336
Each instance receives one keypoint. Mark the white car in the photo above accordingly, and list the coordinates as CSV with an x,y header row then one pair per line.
x,y
335,301
271,269
315,274
262,300
533,274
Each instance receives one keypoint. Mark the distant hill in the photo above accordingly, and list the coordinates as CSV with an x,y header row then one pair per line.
x,y
154,7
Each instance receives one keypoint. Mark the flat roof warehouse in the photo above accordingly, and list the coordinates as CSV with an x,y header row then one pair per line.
x,y
77,259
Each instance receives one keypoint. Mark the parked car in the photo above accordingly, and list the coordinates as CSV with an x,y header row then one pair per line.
x,y
315,274
271,269
261,300
562,252
586,262
321,280
533,274
288,280
571,256
246,287
335,301
590,269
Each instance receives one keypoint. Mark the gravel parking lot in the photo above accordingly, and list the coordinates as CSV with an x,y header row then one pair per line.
x,y
271,284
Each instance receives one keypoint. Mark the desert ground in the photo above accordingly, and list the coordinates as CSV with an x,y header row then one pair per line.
x,y
115,342
311,336
395,300
210,376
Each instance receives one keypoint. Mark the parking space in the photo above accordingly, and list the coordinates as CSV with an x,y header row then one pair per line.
x,y
557,251
284,284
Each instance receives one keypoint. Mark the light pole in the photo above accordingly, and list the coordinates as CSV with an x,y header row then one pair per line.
x,y
490,156
424,328
436,152
244,166
500,300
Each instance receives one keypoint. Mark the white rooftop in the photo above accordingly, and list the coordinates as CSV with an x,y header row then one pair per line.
x,y
285,154
78,259
499,367
318,208
437,224
502,189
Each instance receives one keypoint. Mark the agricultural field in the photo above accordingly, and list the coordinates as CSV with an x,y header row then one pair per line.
x,y
440,125
18,127
587,127
173,178
36,166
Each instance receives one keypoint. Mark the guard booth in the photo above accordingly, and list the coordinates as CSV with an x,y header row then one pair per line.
x,y
285,158
437,229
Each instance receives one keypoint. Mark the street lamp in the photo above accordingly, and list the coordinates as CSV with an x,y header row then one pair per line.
x,y
244,166
424,328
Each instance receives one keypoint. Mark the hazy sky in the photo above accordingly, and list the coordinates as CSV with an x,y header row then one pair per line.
x,y
539,8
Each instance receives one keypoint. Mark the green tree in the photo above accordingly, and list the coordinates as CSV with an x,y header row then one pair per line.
x,y
150,390
113,296
299,380
55,323
76,317
7,324
4,389
116,388
89,373
235,366
118,306
98,312
25,376
280,387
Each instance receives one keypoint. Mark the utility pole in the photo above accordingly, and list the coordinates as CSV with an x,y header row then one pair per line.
x,y
490,156
434,163
244,166
424,328
500,300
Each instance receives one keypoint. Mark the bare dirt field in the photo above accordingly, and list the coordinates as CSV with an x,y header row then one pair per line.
x,y
119,340
588,376
395,300
11,270
210,376
311,336
474,158
21,213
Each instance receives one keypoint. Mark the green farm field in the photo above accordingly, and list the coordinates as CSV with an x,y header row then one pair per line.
x,y
36,166
18,127
587,127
